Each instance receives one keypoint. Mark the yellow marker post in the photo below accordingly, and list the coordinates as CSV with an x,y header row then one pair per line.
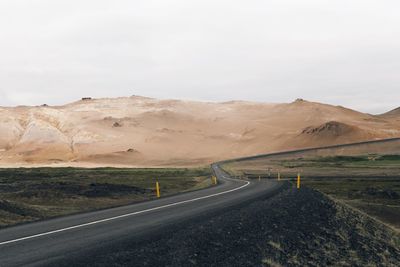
x,y
298,180
279,176
213,179
158,189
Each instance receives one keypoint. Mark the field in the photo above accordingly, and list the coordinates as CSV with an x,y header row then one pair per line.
x,y
30,194
369,183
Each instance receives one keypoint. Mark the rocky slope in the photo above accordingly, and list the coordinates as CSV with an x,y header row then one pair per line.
x,y
139,131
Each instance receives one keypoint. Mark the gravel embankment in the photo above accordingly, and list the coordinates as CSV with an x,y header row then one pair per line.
x,y
294,228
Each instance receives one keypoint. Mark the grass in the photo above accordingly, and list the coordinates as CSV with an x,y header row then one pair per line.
x,y
370,183
29,194
270,263
378,197
368,165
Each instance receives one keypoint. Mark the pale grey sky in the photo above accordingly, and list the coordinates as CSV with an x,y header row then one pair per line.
x,y
340,52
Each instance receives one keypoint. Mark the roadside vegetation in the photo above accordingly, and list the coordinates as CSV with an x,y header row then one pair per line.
x,y
30,194
369,183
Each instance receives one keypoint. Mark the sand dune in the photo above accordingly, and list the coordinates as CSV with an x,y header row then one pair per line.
x,y
140,131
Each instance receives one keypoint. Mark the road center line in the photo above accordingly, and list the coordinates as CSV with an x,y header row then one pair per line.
x,y
121,216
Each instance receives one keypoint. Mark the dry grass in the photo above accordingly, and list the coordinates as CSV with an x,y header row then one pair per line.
x,y
34,194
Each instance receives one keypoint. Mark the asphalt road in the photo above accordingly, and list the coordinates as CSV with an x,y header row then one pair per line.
x,y
51,241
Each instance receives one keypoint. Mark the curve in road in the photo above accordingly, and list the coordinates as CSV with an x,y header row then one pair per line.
x,y
53,240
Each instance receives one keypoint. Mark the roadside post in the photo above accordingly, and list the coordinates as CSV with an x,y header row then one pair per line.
x,y
215,180
298,180
279,176
158,189
259,178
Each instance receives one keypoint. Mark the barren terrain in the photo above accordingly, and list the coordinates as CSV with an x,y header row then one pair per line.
x,y
295,228
138,131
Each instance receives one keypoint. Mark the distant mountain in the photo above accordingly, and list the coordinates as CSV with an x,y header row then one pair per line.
x,y
140,131
394,112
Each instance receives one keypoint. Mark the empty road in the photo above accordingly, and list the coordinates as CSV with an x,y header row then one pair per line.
x,y
51,241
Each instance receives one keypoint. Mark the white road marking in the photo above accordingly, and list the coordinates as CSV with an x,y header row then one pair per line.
x,y
122,216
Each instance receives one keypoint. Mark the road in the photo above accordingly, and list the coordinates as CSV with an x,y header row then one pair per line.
x,y
51,241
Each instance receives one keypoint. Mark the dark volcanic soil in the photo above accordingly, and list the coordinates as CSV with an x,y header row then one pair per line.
x,y
294,228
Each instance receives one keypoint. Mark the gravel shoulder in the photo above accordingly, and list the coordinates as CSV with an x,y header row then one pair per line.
x,y
294,228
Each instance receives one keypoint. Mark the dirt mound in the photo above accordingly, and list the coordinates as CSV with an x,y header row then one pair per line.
x,y
295,228
330,129
392,113
331,133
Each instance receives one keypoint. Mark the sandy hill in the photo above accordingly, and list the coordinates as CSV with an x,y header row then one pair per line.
x,y
139,131
393,113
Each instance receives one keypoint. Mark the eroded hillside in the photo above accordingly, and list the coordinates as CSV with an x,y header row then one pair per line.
x,y
139,131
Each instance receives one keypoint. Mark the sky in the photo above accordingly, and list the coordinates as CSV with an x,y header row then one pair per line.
x,y
342,52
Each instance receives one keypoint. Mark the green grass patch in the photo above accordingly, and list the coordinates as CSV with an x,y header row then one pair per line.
x,y
378,197
28,194
370,183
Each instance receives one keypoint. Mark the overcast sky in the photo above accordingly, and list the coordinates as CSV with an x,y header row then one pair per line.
x,y
344,52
